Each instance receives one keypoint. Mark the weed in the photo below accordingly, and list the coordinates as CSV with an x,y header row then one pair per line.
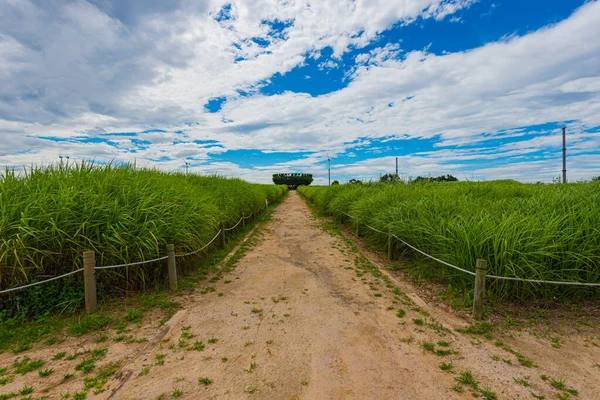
x,y
145,370
428,346
160,359
466,378
418,321
46,372
252,367
89,323
400,313
198,346
487,394
86,365
443,343
66,377
26,365
446,366
522,381
212,340
537,396
304,382
204,381
26,390
480,328
224,359
80,395
58,356
256,310
176,393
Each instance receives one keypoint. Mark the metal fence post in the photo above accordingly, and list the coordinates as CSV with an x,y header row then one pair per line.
x,y
172,267
479,295
222,235
89,280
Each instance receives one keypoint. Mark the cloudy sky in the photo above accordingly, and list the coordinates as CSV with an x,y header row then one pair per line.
x,y
475,88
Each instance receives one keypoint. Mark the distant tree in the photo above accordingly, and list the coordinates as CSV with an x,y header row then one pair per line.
x,y
335,183
292,180
390,178
441,178
596,179
354,182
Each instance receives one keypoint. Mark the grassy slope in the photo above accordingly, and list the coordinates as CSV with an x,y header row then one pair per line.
x,y
49,216
529,231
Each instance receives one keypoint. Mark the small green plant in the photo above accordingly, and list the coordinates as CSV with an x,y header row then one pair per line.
x,y
198,346
66,377
522,381
466,378
537,396
26,365
256,310
212,340
82,395
400,313
252,367
446,366
224,359
145,370
86,366
21,347
428,346
204,381
58,356
26,390
176,393
160,359
304,382
45,372
418,321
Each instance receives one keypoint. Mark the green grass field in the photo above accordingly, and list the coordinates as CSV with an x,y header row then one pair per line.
x,y
49,216
536,231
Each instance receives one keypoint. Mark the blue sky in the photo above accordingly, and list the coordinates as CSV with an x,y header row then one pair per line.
x,y
476,88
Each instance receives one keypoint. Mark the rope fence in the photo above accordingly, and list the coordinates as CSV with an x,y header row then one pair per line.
x,y
479,274
89,266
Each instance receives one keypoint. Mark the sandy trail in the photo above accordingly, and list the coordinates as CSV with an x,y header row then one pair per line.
x,y
298,318
295,325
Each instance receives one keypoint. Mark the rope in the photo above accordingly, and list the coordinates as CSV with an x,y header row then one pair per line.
x,y
205,246
235,226
40,282
508,278
133,263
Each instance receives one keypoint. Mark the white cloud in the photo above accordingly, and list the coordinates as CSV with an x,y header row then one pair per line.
x,y
123,66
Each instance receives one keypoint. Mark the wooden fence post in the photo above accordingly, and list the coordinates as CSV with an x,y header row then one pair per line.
x,y
89,280
172,267
479,295
222,235
243,222
390,245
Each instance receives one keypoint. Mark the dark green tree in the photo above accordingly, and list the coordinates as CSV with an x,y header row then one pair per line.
x,y
335,183
354,182
293,180
390,178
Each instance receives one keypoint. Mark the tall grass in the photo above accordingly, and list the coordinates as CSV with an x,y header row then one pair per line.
x,y
536,231
48,216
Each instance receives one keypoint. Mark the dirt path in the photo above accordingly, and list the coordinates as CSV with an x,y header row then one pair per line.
x,y
305,316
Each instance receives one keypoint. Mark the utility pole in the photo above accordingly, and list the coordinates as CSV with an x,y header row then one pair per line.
x,y
329,168
396,166
187,164
61,157
564,149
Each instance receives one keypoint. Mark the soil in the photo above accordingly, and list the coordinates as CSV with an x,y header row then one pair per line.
x,y
302,317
